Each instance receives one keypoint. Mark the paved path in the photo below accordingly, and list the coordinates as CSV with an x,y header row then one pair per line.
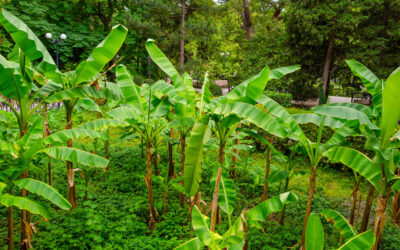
x,y
334,99
314,102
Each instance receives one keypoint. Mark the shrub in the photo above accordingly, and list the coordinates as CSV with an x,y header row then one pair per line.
x,y
284,99
215,89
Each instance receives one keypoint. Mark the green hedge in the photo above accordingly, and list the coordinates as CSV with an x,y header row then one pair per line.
x,y
215,89
284,99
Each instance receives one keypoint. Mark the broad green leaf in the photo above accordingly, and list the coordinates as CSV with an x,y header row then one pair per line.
x,y
360,242
277,176
254,115
369,79
339,135
189,93
396,186
278,111
360,107
165,89
373,84
356,161
75,133
192,244
123,113
182,123
314,233
129,89
100,124
11,82
233,238
88,104
161,109
227,192
25,203
163,62
317,120
48,89
33,133
101,55
344,113
257,85
194,157
205,95
390,107
44,190
272,205
76,156
200,226
280,72
27,41
340,223
254,134
2,187
82,92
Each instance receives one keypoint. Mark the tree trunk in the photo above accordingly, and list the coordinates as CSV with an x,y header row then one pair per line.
x,y
24,219
24,213
107,152
47,133
247,23
309,203
141,147
182,41
147,178
396,209
10,228
214,205
367,210
327,66
353,202
380,217
267,170
165,202
70,167
171,168
358,211
233,171
183,142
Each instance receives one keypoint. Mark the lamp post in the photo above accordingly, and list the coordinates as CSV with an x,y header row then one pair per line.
x,y
225,55
56,41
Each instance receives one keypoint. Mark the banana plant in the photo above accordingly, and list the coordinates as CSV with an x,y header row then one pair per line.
x,y
379,129
314,150
315,232
82,83
52,85
223,114
22,80
90,104
144,109
235,236
183,116
23,152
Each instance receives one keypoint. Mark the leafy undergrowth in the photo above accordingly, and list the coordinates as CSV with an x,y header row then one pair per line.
x,y
115,215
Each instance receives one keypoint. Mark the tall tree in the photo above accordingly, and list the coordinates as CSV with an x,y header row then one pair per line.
x,y
247,23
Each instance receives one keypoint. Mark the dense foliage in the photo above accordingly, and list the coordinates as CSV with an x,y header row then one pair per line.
x,y
285,32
